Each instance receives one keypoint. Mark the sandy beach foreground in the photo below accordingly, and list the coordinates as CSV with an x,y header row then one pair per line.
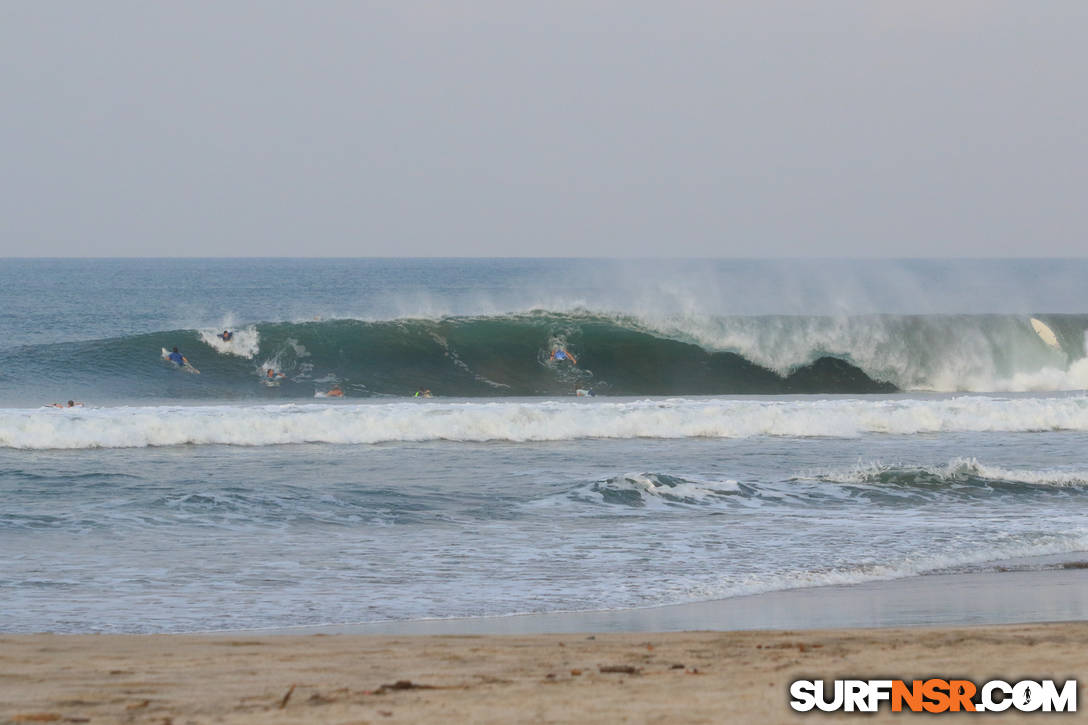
x,y
633,677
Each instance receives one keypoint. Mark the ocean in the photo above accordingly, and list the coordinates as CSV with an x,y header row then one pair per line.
x,y
726,427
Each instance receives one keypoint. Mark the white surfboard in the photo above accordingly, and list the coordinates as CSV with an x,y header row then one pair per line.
x,y
186,367
1045,333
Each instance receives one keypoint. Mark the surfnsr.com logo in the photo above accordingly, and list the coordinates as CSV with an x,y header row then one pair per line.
x,y
933,695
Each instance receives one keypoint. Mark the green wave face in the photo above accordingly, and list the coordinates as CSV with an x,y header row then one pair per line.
x,y
511,355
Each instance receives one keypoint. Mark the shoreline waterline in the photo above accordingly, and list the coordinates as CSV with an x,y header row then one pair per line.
x,y
986,598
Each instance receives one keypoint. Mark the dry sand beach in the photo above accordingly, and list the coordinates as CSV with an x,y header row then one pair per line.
x,y
628,677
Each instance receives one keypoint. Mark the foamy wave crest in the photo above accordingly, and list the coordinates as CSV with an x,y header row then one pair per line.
x,y
957,470
642,489
947,353
1012,548
527,421
244,342
970,466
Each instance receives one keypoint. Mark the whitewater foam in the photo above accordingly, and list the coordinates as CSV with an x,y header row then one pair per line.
x,y
529,421
244,342
940,353
652,489
1016,547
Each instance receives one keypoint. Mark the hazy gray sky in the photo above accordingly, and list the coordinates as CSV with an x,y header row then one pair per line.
x,y
560,128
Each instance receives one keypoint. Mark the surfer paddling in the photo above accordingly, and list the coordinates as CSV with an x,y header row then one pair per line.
x,y
177,358
560,354
71,404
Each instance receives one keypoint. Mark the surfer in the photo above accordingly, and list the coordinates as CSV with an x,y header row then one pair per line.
x,y
560,354
273,375
177,358
335,392
71,404
423,393
227,336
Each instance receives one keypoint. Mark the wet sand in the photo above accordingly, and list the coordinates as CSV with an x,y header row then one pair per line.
x,y
580,672
993,597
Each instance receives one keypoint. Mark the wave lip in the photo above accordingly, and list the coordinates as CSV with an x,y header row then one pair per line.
x,y
135,427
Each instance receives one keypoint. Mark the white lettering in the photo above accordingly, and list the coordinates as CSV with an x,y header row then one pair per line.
x,y
834,704
988,702
1027,696
993,696
879,690
1064,701
803,693
856,696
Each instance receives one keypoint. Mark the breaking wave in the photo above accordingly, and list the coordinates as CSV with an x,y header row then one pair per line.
x,y
615,355
262,425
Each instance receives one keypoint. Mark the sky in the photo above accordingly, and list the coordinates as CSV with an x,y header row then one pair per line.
x,y
920,128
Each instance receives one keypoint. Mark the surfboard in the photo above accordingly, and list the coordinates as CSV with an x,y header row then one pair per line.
x,y
186,367
1045,333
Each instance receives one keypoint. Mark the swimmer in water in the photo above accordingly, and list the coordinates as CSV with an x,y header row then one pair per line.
x,y
226,336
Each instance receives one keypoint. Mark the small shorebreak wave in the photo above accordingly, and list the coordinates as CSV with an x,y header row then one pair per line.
x,y
962,479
